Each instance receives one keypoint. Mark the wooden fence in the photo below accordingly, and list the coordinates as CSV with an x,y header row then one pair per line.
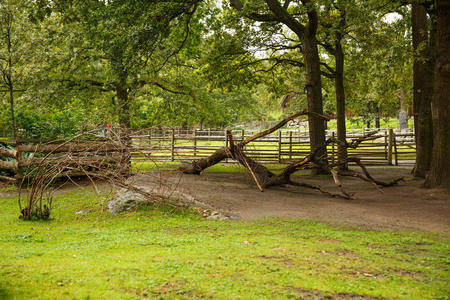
x,y
32,152
283,146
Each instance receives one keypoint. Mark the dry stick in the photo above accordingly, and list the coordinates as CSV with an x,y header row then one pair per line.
x,y
253,174
354,174
303,165
316,187
279,125
370,178
338,183
46,175
232,150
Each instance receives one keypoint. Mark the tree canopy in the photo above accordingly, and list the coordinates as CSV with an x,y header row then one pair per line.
x,y
68,65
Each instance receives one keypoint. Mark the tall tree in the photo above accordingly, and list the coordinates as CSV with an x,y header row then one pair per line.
x,y
132,36
424,40
302,19
439,170
15,33
334,24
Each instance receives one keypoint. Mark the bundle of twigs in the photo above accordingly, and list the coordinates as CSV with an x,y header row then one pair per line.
x,y
106,158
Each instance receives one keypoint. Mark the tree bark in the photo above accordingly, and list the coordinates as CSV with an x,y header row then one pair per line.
x,y
8,152
307,37
10,84
9,165
423,68
440,163
314,93
340,103
122,97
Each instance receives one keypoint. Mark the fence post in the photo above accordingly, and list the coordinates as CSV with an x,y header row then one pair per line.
x,y
290,144
149,138
279,146
19,174
395,149
172,148
195,142
386,144
226,143
390,144
243,134
332,147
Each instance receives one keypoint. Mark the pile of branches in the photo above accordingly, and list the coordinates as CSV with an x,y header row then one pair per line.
x,y
95,158
264,178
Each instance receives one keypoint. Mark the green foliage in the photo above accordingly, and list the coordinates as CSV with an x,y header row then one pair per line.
x,y
52,123
189,62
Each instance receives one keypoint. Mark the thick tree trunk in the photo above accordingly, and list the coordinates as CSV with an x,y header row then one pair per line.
x,y
124,111
340,104
307,37
422,88
314,95
439,170
197,167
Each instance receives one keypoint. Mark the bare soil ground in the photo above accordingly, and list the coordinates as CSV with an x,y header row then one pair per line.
x,y
407,206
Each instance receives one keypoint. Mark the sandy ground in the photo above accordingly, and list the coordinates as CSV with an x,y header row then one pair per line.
x,y
406,206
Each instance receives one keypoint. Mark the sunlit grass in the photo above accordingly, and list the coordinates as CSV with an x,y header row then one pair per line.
x,y
156,252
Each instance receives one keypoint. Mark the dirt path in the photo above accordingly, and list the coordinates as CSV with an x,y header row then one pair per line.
x,y
403,207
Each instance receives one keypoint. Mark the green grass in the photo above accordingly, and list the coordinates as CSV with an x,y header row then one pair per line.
x,y
159,254
357,123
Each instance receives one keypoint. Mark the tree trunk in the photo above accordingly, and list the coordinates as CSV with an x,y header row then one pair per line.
x,y
10,85
314,96
439,170
423,67
11,105
313,85
124,111
340,104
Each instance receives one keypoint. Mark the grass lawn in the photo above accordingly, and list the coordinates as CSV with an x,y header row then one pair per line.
x,y
161,254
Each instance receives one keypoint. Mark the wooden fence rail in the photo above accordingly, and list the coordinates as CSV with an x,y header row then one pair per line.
x,y
32,152
283,146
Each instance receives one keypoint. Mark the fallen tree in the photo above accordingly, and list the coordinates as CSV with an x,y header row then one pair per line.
x,y
264,178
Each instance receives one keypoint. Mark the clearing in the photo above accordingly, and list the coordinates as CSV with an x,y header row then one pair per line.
x,y
407,206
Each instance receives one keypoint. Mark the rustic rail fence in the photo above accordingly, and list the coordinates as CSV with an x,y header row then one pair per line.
x,y
283,146
33,152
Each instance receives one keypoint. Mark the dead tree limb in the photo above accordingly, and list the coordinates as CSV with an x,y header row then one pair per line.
x,y
264,178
